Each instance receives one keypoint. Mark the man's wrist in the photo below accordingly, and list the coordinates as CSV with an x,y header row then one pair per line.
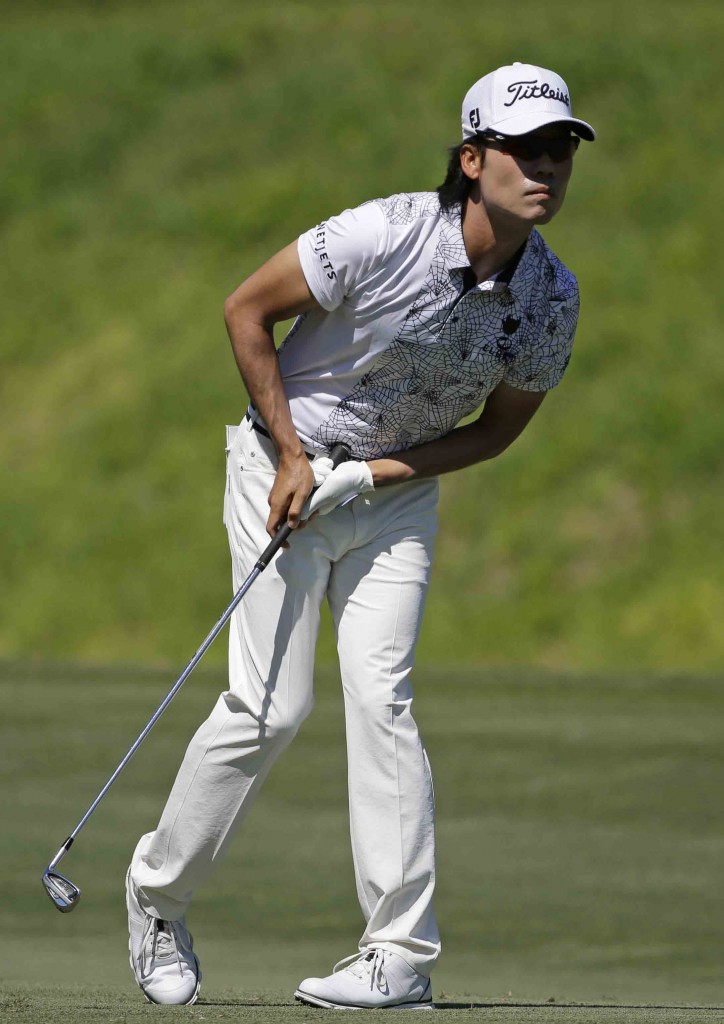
x,y
389,471
291,452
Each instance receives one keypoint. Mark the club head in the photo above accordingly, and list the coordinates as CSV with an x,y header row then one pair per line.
x,y
61,890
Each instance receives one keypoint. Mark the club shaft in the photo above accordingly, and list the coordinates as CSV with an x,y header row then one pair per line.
x,y
339,454
164,704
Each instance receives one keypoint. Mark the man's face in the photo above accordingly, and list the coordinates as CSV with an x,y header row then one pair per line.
x,y
524,187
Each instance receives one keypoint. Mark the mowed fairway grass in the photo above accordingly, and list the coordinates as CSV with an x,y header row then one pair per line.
x,y
580,848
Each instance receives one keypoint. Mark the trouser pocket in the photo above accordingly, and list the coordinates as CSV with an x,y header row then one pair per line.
x,y
231,432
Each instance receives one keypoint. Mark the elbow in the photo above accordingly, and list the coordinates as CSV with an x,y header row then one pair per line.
x,y
231,309
240,313
237,306
503,444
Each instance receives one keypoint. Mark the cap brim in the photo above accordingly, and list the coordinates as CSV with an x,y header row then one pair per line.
x,y
524,123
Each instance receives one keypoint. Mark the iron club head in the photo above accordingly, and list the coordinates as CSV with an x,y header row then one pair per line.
x,y
64,894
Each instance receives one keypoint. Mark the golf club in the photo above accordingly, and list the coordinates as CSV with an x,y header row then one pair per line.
x,y
66,894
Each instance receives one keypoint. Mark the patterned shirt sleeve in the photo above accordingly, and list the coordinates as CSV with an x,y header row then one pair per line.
x,y
340,253
542,365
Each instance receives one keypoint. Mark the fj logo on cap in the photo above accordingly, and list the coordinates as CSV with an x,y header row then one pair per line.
x,y
535,91
475,117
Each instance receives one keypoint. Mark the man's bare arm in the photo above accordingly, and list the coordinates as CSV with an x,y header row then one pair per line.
x,y
506,413
276,291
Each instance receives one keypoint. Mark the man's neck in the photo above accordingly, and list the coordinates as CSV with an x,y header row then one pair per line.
x,y
490,246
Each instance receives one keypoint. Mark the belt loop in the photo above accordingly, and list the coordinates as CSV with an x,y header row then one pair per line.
x,y
252,416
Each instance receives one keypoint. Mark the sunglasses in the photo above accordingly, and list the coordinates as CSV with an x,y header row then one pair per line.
x,y
531,147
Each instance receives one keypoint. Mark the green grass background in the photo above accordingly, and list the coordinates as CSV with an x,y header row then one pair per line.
x,y
156,153
579,830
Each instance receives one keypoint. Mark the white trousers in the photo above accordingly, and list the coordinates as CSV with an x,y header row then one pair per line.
x,y
372,560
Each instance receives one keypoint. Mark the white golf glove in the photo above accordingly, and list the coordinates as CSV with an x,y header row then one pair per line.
x,y
341,485
321,467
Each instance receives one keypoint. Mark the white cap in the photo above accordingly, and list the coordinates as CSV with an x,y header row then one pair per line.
x,y
519,98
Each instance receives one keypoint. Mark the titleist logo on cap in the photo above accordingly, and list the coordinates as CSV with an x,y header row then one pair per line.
x,y
534,90
517,99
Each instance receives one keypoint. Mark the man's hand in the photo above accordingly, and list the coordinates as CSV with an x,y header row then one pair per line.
x,y
283,495
345,482
292,486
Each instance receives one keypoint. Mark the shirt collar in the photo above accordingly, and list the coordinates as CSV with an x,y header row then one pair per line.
x,y
456,257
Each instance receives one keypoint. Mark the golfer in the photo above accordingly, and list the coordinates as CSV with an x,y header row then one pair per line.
x,y
412,312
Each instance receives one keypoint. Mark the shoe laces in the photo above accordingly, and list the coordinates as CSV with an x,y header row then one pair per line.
x,y
369,962
158,942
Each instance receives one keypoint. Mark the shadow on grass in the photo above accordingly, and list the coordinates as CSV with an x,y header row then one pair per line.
x,y
550,1004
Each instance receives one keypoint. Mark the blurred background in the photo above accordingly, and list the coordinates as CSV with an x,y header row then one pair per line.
x,y
154,155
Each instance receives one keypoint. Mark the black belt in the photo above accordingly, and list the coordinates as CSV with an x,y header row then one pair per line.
x,y
256,425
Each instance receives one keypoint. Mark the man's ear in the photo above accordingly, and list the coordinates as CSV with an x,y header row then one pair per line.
x,y
471,160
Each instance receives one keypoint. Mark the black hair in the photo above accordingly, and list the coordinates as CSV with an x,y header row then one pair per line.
x,y
457,186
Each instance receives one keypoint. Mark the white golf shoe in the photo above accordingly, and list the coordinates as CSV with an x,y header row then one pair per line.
x,y
162,955
374,979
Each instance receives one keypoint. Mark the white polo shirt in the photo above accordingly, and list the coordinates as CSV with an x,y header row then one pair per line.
x,y
406,344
